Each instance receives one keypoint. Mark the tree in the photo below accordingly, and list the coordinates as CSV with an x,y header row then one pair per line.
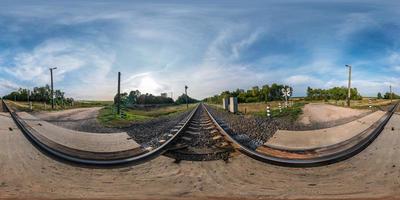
x,y
255,94
182,99
379,95
38,94
133,96
335,93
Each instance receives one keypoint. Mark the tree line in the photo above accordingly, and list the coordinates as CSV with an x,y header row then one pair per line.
x,y
136,97
335,93
388,95
255,94
38,94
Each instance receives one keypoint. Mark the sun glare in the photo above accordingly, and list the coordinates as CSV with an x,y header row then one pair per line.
x,y
149,85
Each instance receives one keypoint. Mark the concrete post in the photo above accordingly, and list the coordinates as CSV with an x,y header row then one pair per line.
x,y
225,103
369,103
233,105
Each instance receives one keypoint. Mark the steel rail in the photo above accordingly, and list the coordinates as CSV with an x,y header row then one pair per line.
x,y
310,162
221,153
140,158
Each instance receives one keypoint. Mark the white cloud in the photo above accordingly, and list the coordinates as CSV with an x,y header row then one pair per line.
x,y
7,86
303,80
84,63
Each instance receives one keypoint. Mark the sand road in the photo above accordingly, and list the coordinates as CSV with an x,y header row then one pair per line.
x,y
79,119
323,113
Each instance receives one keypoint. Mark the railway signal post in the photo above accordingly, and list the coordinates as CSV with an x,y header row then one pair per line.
x,y
349,86
52,88
119,94
187,105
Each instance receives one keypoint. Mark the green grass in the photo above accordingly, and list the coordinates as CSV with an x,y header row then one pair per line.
x,y
108,115
292,112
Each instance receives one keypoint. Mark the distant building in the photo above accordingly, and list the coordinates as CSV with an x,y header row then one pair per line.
x,y
164,94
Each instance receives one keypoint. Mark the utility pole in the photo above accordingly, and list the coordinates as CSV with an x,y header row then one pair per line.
x,y
391,94
52,88
119,94
349,87
187,105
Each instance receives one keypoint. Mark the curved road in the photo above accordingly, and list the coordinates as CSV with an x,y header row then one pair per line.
x,y
26,173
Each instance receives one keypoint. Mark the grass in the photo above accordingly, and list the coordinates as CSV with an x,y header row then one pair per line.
x,y
260,109
293,112
361,104
39,106
108,115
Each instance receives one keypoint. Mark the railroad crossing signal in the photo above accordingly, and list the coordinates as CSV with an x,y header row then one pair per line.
x,y
187,105
286,91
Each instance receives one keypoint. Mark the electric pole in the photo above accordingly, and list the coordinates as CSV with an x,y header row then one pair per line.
x,y
52,88
349,87
119,94
187,105
391,94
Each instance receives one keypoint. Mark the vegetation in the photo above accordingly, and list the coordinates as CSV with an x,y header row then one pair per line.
x,y
39,94
182,99
389,96
109,117
335,93
292,113
137,107
41,106
264,94
136,97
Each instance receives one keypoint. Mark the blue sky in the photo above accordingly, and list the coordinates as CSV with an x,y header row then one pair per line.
x,y
211,46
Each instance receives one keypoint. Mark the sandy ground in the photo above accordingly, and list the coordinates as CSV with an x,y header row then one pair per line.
x,y
324,137
28,173
321,113
80,119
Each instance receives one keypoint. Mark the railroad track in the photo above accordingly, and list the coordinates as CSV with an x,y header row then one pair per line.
x,y
201,140
162,148
315,157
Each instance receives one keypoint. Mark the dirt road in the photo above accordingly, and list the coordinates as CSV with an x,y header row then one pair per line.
x,y
27,173
323,113
80,119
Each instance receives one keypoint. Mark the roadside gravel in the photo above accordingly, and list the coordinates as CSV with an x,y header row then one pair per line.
x,y
248,130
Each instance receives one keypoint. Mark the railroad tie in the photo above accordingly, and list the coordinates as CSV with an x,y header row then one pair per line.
x,y
193,128
210,127
193,133
174,130
186,138
149,148
223,144
217,137
214,131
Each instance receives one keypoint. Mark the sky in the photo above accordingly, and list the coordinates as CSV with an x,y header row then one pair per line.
x,y
210,46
